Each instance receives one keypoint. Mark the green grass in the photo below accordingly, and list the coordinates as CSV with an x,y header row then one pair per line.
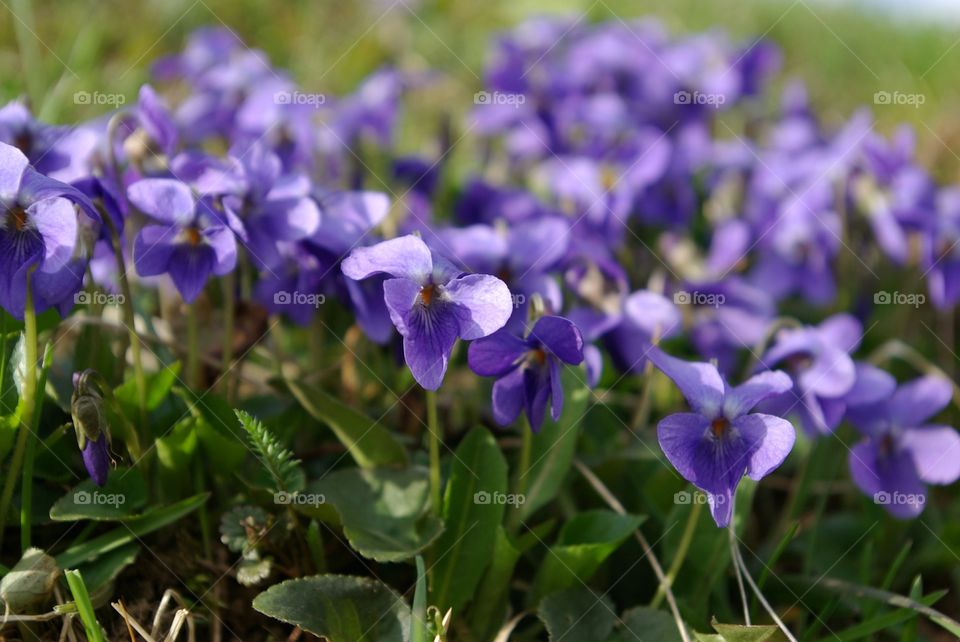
x,y
844,55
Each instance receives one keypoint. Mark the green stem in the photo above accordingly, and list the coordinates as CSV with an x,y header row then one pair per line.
x,y
735,559
129,320
229,312
28,401
193,348
26,488
677,562
526,448
433,426
315,341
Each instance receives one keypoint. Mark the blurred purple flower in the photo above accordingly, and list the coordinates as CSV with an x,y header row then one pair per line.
x,y
818,359
901,452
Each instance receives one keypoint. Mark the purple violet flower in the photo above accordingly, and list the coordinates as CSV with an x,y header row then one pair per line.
x,y
528,369
713,446
901,453
38,229
818,359
191,240
431,302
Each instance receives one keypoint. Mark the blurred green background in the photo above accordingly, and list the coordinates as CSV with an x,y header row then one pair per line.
x,y
50,49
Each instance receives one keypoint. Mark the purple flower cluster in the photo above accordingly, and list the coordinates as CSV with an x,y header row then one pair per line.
x,y
612,209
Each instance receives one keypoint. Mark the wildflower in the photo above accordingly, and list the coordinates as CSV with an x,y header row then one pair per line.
x,y
38,231
528,369
713,446
190,240
901,452
431,302
91,426
818,360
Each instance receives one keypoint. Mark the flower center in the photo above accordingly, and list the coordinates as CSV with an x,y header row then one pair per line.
x,y
19,218
427,293
719,427
887,445
23,141
608,178
799,362
193,236
538,356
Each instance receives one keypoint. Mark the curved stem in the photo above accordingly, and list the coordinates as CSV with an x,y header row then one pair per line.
x,y
229,311
897,349
777,324
685,541
129,320
27,400
735,557
433,428
615,504
756,589
193,348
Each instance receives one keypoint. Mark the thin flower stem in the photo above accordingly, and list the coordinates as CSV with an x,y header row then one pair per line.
x,y
229,312
28,403
526,449
193,347
129,320
897,349
642,415
756,589
685,540
734,557
433,427
600,488
26,489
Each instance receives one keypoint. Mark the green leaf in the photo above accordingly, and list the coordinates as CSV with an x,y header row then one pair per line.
x,y
584,542
175,451
418,623
341,608
159,385
29,584
553,448
131,530
477,472
243,528
120,498
490,605
891,599
742,633
368,441
253,570
385,512
223,454
577,614
82,599
886,621
649,625
100,573
279,462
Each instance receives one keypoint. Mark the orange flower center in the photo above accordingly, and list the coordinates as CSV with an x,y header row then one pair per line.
x,y
19,218
193,236
539,356
427,293
719,427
